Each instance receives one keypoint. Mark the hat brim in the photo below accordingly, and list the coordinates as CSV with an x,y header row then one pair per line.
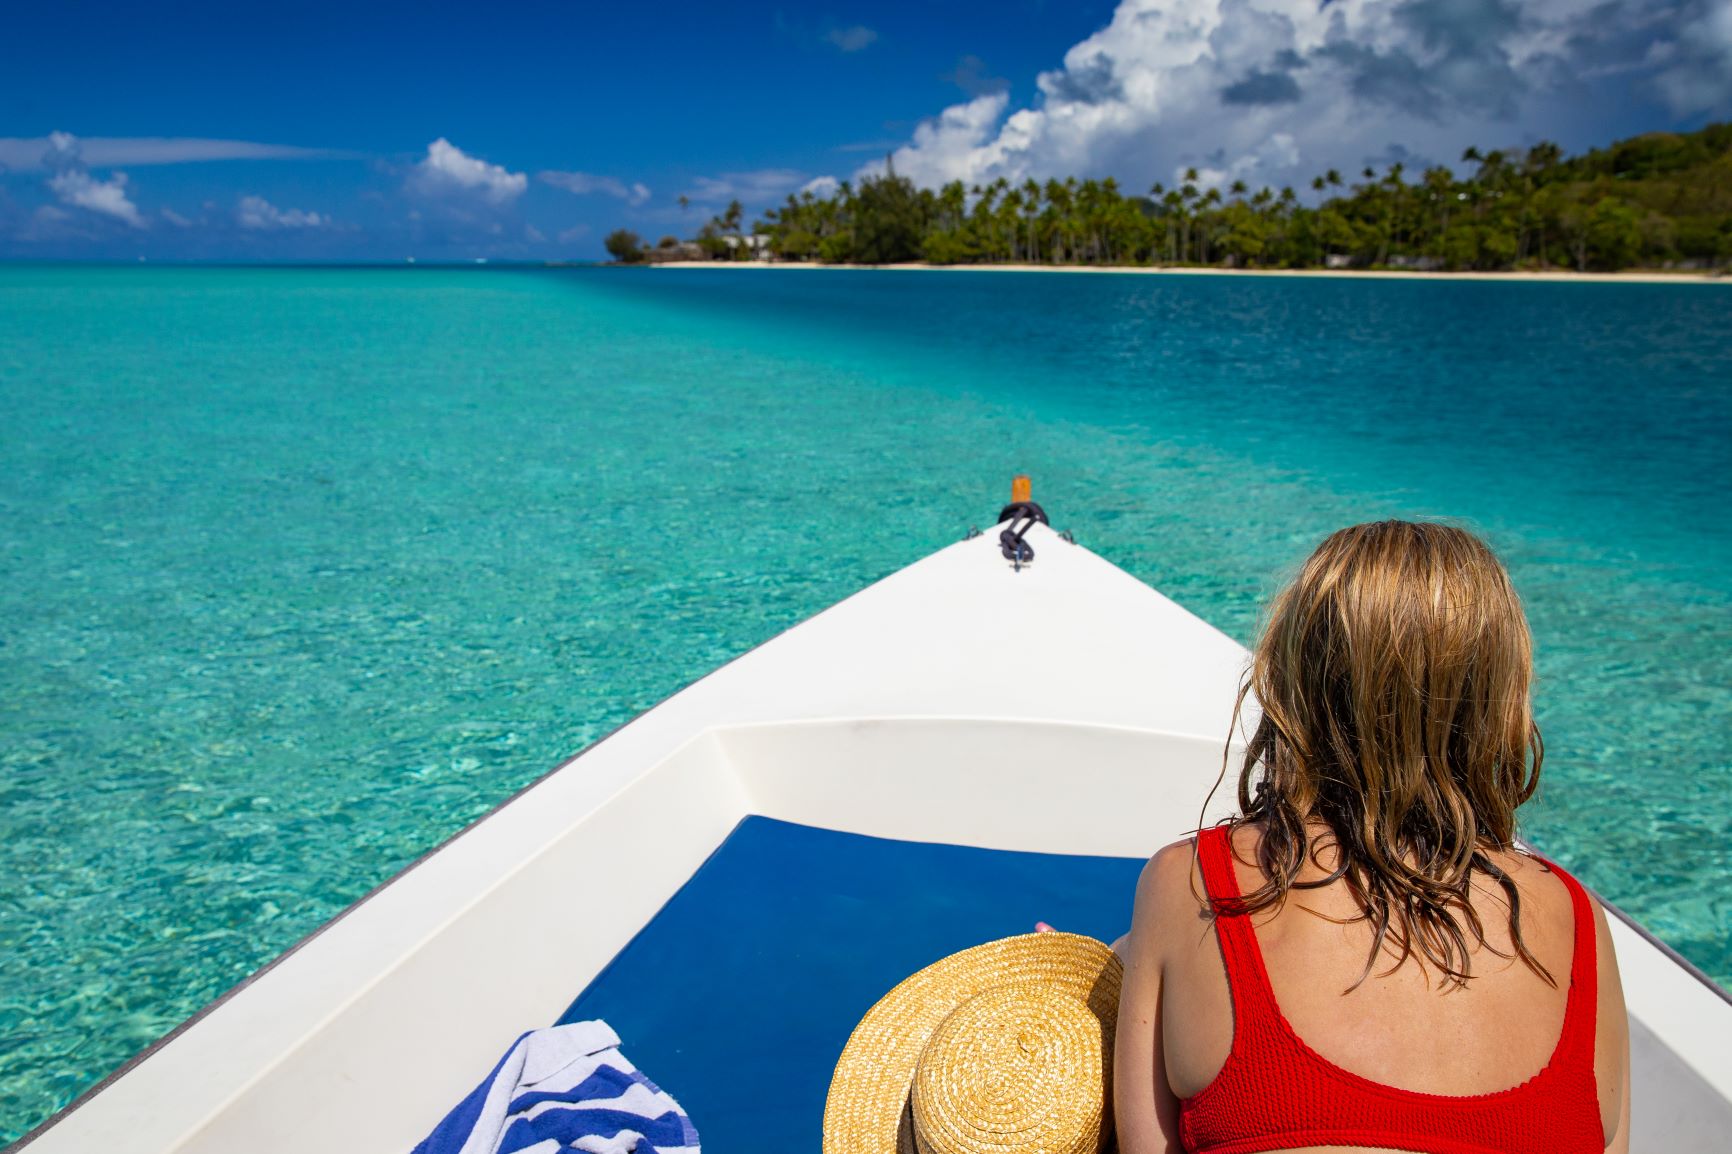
x,y
867,1108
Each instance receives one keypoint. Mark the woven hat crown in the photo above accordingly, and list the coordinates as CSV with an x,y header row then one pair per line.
x,y
999,1049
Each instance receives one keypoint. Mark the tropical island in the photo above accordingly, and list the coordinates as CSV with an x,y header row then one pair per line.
x,y
1660,201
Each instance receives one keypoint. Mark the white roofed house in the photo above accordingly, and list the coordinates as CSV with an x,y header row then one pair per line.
x,y
757,245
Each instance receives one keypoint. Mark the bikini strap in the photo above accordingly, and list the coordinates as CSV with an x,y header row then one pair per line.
x,y
1581,1007
1246,976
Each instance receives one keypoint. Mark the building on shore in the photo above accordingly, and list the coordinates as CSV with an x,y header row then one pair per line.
x,y
757,245
665,254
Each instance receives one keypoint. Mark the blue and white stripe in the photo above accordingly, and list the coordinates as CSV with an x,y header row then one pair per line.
x,y
565,1088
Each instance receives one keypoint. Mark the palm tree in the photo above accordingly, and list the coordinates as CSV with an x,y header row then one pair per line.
x,y
1112,218
1211,199
1392,207
1031,214
1187,195
1010,208
1541,160
1172,208
951,205
1285,206
1439,184
1056,219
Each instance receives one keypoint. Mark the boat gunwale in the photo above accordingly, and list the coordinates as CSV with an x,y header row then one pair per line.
x,y
1670,952
211,1006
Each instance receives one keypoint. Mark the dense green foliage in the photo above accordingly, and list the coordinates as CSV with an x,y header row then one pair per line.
x,y
720,238
624,246
1658,200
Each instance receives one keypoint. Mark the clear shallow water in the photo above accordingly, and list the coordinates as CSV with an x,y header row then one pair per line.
x,y
302,569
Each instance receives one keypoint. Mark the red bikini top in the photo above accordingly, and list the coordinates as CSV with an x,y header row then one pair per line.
x,y
1277,1093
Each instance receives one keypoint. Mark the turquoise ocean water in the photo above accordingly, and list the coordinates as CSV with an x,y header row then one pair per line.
x,y
303,569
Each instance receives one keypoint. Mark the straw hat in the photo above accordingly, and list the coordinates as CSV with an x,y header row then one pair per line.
x,y
1005,1048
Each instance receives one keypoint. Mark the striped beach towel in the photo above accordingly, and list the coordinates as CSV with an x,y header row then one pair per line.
x,y
565,1088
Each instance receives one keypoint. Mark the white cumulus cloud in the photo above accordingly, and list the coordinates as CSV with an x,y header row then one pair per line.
x,y
447,169
585,183
958,144
1274,91
257,213
78,188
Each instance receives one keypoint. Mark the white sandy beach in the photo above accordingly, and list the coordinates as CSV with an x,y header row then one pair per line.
x,y
1360,274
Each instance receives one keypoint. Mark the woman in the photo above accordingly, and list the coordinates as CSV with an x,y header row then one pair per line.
x,y
1364,959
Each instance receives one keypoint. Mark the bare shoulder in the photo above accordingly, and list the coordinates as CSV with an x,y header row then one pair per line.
x,y
1169,892
1171,868
1548,909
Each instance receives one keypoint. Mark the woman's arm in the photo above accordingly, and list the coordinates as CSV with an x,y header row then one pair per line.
x,y
1612,1041
1146,1114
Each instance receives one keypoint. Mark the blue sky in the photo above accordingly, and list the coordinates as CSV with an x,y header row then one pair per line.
x,y
380,131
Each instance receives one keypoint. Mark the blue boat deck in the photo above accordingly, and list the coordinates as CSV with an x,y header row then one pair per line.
x,y
738,996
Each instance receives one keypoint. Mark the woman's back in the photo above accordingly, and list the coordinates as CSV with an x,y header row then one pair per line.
x,y
1361,958
1396,1028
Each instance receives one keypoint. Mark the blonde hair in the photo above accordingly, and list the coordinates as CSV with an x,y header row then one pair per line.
x,y
1394,677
